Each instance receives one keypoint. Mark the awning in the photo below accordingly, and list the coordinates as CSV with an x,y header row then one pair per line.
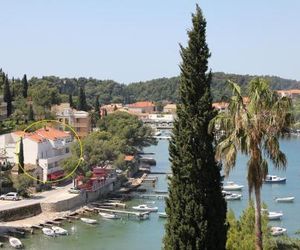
x,y
56,175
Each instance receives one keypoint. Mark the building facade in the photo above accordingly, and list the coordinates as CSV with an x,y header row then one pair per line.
x,y
44,148
79,120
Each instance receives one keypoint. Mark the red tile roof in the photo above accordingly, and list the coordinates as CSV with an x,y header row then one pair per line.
x,y
43,133
129,158
141,104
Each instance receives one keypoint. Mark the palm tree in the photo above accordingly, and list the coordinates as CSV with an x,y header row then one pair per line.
x,y
253,125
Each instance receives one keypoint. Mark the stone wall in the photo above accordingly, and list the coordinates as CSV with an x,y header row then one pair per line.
x,y
20,213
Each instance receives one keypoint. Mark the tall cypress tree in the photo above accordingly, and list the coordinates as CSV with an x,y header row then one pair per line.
x,y
82,105
7,96
71,101
97,108
25,86
30,113
196,208
21,158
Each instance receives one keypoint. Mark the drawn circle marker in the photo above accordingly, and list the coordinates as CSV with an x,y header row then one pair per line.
x,y
80,159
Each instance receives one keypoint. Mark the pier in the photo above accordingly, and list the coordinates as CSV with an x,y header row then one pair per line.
x,y
151,196
139,215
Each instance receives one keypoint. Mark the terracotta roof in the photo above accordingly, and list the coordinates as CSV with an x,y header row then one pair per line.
x,y
51,133
129,158
289,91
42,134
141,104
220,105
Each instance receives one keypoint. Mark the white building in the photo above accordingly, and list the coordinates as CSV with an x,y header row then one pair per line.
x,y
167,118
46,147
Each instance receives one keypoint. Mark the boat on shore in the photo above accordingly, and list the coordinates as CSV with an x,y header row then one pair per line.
x,y
162,215
231,186
109,216
144,207
59,230
274,179
233,197
277,231
89,221
15,242
289,199
48,232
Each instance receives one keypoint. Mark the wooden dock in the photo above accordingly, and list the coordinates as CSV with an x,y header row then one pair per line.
x,y
139,215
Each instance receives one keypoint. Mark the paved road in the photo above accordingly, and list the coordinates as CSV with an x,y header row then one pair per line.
x,y
60,193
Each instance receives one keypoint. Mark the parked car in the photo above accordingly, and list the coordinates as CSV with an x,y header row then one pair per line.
x,y
10,196
73,190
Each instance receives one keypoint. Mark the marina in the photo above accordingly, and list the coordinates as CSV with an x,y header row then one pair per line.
x,y
121,233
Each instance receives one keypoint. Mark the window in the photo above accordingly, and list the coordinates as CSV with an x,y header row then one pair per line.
x,y
77,129
67,150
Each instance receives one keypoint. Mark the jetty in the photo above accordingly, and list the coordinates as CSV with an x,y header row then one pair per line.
x,y
151,196
139,215
162,137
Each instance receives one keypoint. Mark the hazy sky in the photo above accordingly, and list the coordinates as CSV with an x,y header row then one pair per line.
x,y
133,40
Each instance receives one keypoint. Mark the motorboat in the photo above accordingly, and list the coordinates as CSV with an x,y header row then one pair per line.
x,y
277,231
233,197
162,215
226,193
48,232
285,199
274,215
231,186
274,179
157,133
143,216
109,216
59,230
89,221
144,207
15,242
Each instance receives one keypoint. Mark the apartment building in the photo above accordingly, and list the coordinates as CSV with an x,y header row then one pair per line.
x,y
45,148
79,120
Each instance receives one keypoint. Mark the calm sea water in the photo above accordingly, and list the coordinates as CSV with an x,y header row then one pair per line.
x,y
127,234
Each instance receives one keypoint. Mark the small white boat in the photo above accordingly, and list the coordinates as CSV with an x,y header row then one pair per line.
x,y
48,232
157,133
226,193
89,221
162,215
285,199
277,231
274,179
59,230
231,186
144,207
15,242
233,197
274,215
109,216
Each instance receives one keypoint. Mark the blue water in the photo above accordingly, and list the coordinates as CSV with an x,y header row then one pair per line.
x,y
147,235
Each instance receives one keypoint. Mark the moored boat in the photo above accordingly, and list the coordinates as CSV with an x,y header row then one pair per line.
x,y
274,215
274,179
15,242
144,207
285,199
109,216
277,231
48,232
89,221
232,197
231,186
162,215
59,230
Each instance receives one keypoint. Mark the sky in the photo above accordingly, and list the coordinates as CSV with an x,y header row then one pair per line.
x,y
137,40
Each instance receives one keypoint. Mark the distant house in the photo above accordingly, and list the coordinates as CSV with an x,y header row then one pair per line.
x,y
112,107
292,93
142,107
79,120
170,108
220,106
44,148
3,109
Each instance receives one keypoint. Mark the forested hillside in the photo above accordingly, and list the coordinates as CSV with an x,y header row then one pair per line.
x,y
153,90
